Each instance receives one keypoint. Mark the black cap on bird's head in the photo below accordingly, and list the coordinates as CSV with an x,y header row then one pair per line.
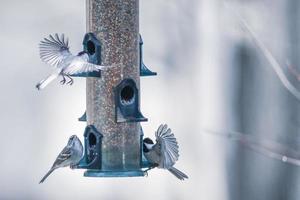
x,y
146,143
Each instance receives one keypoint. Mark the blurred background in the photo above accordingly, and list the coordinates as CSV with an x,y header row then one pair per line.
x,y
211,76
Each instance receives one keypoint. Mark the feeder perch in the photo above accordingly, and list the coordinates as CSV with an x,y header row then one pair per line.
x,y
82,118
144,71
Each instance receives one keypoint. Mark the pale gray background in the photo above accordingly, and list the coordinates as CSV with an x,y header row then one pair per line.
x,y
210,76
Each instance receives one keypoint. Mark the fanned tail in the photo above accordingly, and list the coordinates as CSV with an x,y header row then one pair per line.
x,y
43,83
179,174
48,173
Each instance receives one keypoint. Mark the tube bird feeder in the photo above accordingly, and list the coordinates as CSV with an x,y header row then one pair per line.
x,y
113,136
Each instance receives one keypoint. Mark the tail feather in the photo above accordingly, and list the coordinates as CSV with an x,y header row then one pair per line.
x,y
179,174
48,173
43,83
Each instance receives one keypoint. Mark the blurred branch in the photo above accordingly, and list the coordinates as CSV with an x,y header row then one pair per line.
x,y
268,55
293,71
265,147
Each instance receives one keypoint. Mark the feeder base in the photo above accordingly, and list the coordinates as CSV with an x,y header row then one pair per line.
x,y
99,173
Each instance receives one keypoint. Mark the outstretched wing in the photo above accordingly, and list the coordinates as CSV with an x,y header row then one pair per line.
x,y
81,66
55,49
167,145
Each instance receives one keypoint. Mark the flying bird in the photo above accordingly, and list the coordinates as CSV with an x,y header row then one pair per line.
x,y
54,51
69,156
164,153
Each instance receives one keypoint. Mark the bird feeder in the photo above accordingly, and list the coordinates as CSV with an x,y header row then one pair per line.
x,y
113,135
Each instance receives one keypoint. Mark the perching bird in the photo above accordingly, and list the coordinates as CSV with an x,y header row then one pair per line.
x,y
55,52
69,156
165,152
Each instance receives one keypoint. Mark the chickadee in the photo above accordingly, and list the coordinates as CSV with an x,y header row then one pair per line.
x,y
165,152
55,52
69,156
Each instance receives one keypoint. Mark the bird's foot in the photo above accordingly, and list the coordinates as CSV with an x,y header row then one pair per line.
x,y
38,86
70,82
73,166
63,81
146,171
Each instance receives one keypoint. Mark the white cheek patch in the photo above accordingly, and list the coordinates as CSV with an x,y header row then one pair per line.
x,y
149,146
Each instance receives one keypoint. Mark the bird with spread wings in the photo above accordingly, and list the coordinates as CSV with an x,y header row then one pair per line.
x,y
55,51
165,152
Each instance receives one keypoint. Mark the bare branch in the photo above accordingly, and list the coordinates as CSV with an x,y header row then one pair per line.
x,y
265,147
268,55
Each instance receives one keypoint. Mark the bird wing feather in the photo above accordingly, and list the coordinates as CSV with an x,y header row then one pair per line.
x,y
54,50
80,66
64,155
166,146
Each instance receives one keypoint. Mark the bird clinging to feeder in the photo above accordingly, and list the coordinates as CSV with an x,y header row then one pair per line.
x,y
55,52
69,156
164,153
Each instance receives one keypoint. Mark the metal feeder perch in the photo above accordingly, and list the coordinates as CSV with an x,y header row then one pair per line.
x,y
144,71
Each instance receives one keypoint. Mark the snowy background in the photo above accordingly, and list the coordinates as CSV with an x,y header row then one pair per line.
x,y
210,76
